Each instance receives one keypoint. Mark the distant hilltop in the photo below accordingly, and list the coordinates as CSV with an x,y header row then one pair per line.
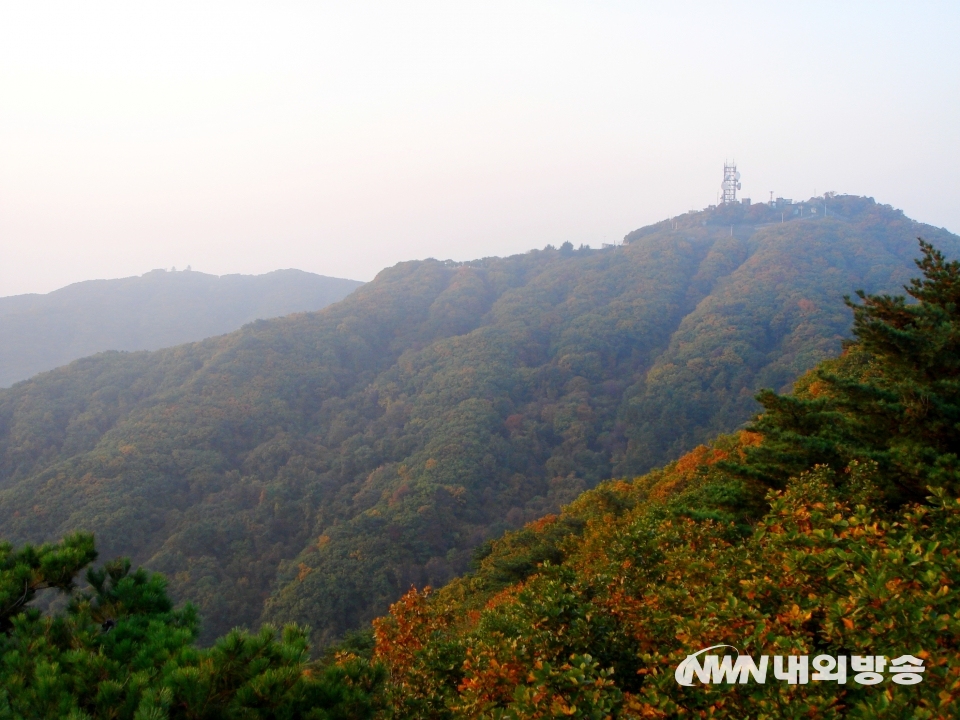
x,y
749,215
149,312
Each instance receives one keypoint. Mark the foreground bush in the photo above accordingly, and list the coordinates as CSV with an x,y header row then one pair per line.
x,y
119,650
601,634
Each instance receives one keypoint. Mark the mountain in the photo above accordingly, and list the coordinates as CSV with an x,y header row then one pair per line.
x,y
158,309
827,531
313,467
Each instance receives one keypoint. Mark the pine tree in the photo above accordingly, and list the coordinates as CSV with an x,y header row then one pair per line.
x,y
25,572
121,650
892,398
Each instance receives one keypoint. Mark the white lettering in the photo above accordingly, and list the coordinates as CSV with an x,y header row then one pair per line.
x,y
715,669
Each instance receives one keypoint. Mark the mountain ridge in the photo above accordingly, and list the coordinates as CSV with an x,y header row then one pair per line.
x,y
147,312
313,467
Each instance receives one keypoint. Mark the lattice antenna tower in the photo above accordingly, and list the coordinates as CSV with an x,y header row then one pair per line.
x,y
731,182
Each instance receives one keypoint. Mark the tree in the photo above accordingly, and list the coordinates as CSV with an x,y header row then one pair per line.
x,y
893,398
121,650
27,571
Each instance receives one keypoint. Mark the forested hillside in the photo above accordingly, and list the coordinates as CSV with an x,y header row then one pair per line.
x,y
829,527
313,467
156,310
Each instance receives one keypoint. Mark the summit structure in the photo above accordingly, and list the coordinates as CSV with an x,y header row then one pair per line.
x,y
731,183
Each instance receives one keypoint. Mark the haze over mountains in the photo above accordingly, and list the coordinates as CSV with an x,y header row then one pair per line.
x,y
156,310
312,467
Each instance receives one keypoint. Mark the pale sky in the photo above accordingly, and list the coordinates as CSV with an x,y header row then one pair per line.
x,y
344,137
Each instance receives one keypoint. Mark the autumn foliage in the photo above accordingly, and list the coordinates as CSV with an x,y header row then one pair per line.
x,y
737,543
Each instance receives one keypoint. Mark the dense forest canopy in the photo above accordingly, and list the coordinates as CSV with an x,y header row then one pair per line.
x,y
802,535
311,468
156,310
808,534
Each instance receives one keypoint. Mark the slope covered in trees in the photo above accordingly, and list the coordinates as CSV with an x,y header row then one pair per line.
x,y
807,534
799,536
312,468
119,650
156,310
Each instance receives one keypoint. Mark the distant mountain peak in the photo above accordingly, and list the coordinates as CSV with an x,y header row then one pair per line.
x,y
147,312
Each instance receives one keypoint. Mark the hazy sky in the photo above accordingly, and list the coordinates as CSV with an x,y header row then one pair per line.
x,y
343,137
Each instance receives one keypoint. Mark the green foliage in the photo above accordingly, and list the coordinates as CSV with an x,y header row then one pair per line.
x,y
27,570
893,398
578,688
313,468
120,650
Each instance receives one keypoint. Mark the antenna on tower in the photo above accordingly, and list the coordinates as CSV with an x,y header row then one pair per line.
x,y
731,182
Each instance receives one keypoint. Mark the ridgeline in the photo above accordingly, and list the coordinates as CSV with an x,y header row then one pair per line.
x,y
311,468
156,310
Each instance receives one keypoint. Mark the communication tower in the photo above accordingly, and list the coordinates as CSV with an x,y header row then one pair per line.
x,y
731,182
